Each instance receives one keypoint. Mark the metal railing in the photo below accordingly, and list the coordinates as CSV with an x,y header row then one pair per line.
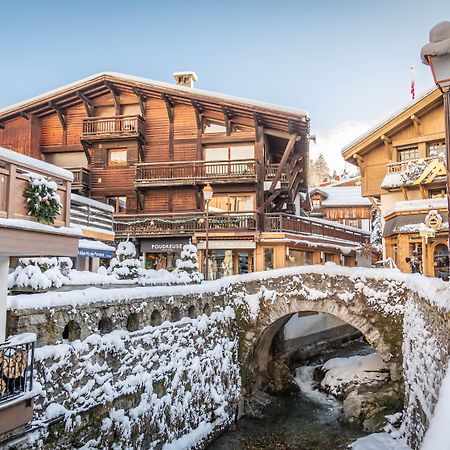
x,y
194,171
16,367
189,223
118,126
83,212
277,222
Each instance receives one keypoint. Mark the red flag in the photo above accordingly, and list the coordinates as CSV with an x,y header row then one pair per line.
x,y
413,87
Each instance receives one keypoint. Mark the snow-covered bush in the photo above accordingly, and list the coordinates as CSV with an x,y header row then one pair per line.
x,y
187,266
39,273
125,265
43,202
413,170
376,236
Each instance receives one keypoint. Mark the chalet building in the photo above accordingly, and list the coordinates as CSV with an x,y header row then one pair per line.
x,y
148,149
20,236
403,165
342,202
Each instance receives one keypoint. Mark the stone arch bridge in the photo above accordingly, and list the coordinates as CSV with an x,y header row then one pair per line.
x,y
405,317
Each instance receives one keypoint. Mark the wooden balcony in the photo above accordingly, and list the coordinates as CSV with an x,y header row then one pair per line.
x,y
187,223
404,165
271,170
81,179
284,223
111,128
89,213
195,172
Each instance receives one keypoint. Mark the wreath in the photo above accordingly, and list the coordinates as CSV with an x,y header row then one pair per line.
x,y
43,202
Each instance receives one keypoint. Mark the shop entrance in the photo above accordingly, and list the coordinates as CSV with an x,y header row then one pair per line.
x,y
223,263
441,262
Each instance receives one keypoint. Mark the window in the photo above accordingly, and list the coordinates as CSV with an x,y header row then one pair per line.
x,y
214,127
229,153
407,153
117,157
118,203
268,258
317,203
437,193
224,203
329,257
435,148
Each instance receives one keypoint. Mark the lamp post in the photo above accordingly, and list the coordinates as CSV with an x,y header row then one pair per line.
x,y
207,196
436,54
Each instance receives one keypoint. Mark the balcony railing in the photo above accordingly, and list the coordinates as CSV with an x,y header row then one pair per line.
x,y
90,213
403,166
271,170
81,179
113,127
16,368
189,223
195,171
276,222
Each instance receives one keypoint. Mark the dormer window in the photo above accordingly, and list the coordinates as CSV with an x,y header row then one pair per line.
x,y
317,202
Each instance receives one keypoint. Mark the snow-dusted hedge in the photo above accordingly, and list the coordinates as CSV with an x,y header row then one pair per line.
x,y
169,386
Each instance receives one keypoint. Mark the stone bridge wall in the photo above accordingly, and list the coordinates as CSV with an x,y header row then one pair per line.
x,y
384,306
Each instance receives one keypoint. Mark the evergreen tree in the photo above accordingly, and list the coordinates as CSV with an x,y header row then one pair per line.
x,y
187,266
376,236
125,265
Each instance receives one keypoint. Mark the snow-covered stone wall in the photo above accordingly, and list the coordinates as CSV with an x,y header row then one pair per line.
x,y
168,386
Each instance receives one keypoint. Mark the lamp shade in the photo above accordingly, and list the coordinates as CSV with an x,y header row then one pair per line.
x,y
437,54
208,192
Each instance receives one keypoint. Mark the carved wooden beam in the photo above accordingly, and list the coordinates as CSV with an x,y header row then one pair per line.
x,y
259,131
2,125
286,155
416,122
142,100
388,145
226,117
25,115
86,151
90,110
280,134
374,203
115,96
169,105
62,115
271,198
360,161
198,113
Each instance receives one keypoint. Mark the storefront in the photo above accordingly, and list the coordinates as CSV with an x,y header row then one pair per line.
x,y
162,253
228,257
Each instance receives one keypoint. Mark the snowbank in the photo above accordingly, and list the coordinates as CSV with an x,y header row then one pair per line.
x,y
379,441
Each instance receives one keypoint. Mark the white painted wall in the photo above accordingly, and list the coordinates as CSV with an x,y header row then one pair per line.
x,y
303,326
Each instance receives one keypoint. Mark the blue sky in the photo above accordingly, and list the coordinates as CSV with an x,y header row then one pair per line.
x,y
347,62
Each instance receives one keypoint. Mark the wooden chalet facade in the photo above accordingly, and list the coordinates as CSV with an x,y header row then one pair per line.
x,y
402,164
149,148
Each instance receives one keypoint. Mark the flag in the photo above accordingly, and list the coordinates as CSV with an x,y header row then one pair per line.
x,y
413,87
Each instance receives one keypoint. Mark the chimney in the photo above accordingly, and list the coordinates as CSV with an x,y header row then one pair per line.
x,y
185,79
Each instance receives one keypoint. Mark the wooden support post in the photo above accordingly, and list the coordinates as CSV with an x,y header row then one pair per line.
x,y
24,114
360,161
226,117
115,96
271,198
87,152
4,268
374,203
142,100
89,107
286,155
260,174
62,115
68,186
416,122
170,113
199,119
11,192
388,145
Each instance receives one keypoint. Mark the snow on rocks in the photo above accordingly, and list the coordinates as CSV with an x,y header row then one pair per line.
x,y
158,379
379,441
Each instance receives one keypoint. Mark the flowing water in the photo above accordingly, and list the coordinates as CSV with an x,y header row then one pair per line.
x,y
306,420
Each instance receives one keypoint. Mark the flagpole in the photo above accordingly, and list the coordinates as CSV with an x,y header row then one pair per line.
x,y
413,86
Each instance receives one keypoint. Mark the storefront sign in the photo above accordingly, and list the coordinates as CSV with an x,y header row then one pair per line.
x,y
163,245
95,253
427,233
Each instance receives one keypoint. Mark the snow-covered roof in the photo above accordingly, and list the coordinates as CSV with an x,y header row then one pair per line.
x,y
346,180
387,120
212,96
344,196
91,202
34,164
418,205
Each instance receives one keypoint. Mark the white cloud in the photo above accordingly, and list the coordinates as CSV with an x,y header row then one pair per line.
x,y
332,142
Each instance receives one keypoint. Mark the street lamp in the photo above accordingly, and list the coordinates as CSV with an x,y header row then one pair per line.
x,y
436,54
207,196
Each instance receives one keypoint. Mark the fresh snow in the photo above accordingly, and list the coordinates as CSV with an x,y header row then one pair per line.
x,y
30,225
344,196
380,441
33,163
417,205
94,245
91,202
438,435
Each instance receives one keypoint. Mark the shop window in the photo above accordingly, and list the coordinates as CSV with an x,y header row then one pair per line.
x,y
441,262
329,257
117,157
225,203
268,259
118,203
307,258
407,153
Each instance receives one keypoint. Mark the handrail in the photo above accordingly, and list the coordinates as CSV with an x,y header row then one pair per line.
x,y
402,166
118,125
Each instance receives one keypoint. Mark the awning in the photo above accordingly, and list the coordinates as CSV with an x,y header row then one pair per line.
x,y
95,249
410,223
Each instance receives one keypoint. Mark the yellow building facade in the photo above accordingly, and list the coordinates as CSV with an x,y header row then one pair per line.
x,y
403,169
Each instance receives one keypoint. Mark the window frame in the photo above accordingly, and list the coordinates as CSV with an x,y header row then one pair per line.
x,y
109,162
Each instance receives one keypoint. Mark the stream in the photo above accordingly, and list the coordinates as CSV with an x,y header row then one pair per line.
x,y
306,420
